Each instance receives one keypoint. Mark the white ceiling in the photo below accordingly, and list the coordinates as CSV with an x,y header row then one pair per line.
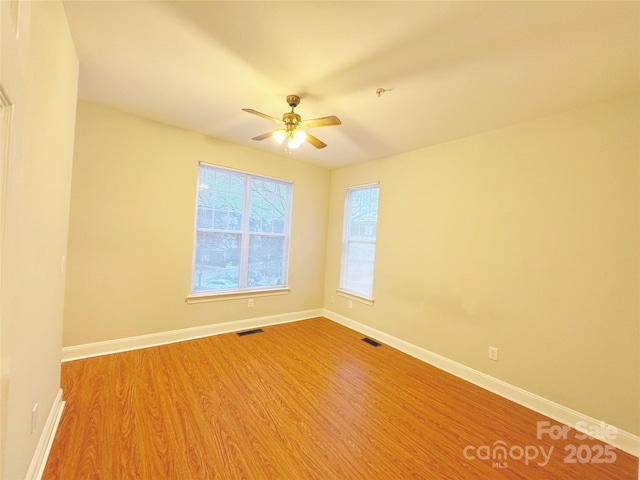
x,y
455,68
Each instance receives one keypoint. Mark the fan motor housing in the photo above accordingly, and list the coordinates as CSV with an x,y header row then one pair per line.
x,y
293,100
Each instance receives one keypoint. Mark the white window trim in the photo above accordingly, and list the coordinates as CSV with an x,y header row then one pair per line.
x,y
344,292
355,296
234,295
214,296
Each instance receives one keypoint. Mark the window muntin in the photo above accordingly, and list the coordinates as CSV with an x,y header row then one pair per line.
x,y
359,240
241,232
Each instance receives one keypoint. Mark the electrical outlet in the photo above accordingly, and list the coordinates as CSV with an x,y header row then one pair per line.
x,y
250,304
350,304
493,353
34,418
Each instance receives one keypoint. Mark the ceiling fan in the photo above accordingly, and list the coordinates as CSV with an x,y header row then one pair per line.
x,y
291,123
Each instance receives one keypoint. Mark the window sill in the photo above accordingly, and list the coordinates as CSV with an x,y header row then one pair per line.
x,y
217,297
355,297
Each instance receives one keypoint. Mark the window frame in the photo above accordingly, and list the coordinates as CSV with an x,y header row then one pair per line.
x,y
348,239
245,233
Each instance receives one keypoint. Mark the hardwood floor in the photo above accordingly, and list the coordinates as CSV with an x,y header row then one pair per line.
x,y
304,400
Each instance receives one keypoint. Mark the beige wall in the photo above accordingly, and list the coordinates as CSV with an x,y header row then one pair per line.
x,y
132,220
39,76
524,238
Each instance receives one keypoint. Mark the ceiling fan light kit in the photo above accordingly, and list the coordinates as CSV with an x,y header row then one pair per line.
x,y
294,138
290,135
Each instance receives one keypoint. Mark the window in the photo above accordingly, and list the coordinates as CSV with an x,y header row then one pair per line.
x,y
359,240
241,232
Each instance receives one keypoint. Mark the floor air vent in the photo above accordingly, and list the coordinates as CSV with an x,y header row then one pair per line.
x,y
373,343
249,332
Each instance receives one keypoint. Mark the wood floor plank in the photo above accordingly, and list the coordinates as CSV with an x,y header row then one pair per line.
x,y
304,400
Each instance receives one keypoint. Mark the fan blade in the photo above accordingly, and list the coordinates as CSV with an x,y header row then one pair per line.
x,y
315,141
320,122
263,115
263,136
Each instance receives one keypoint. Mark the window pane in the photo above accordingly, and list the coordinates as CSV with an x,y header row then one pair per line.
x,y
265,261
220,194
269,200
221,201
237,184
221,220
235,221
366,197
205,187
356,197
204,217
359,268
217,261
235,204
222,181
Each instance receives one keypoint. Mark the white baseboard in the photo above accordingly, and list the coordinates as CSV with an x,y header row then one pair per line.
x,y
40,456
623,440
162,338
